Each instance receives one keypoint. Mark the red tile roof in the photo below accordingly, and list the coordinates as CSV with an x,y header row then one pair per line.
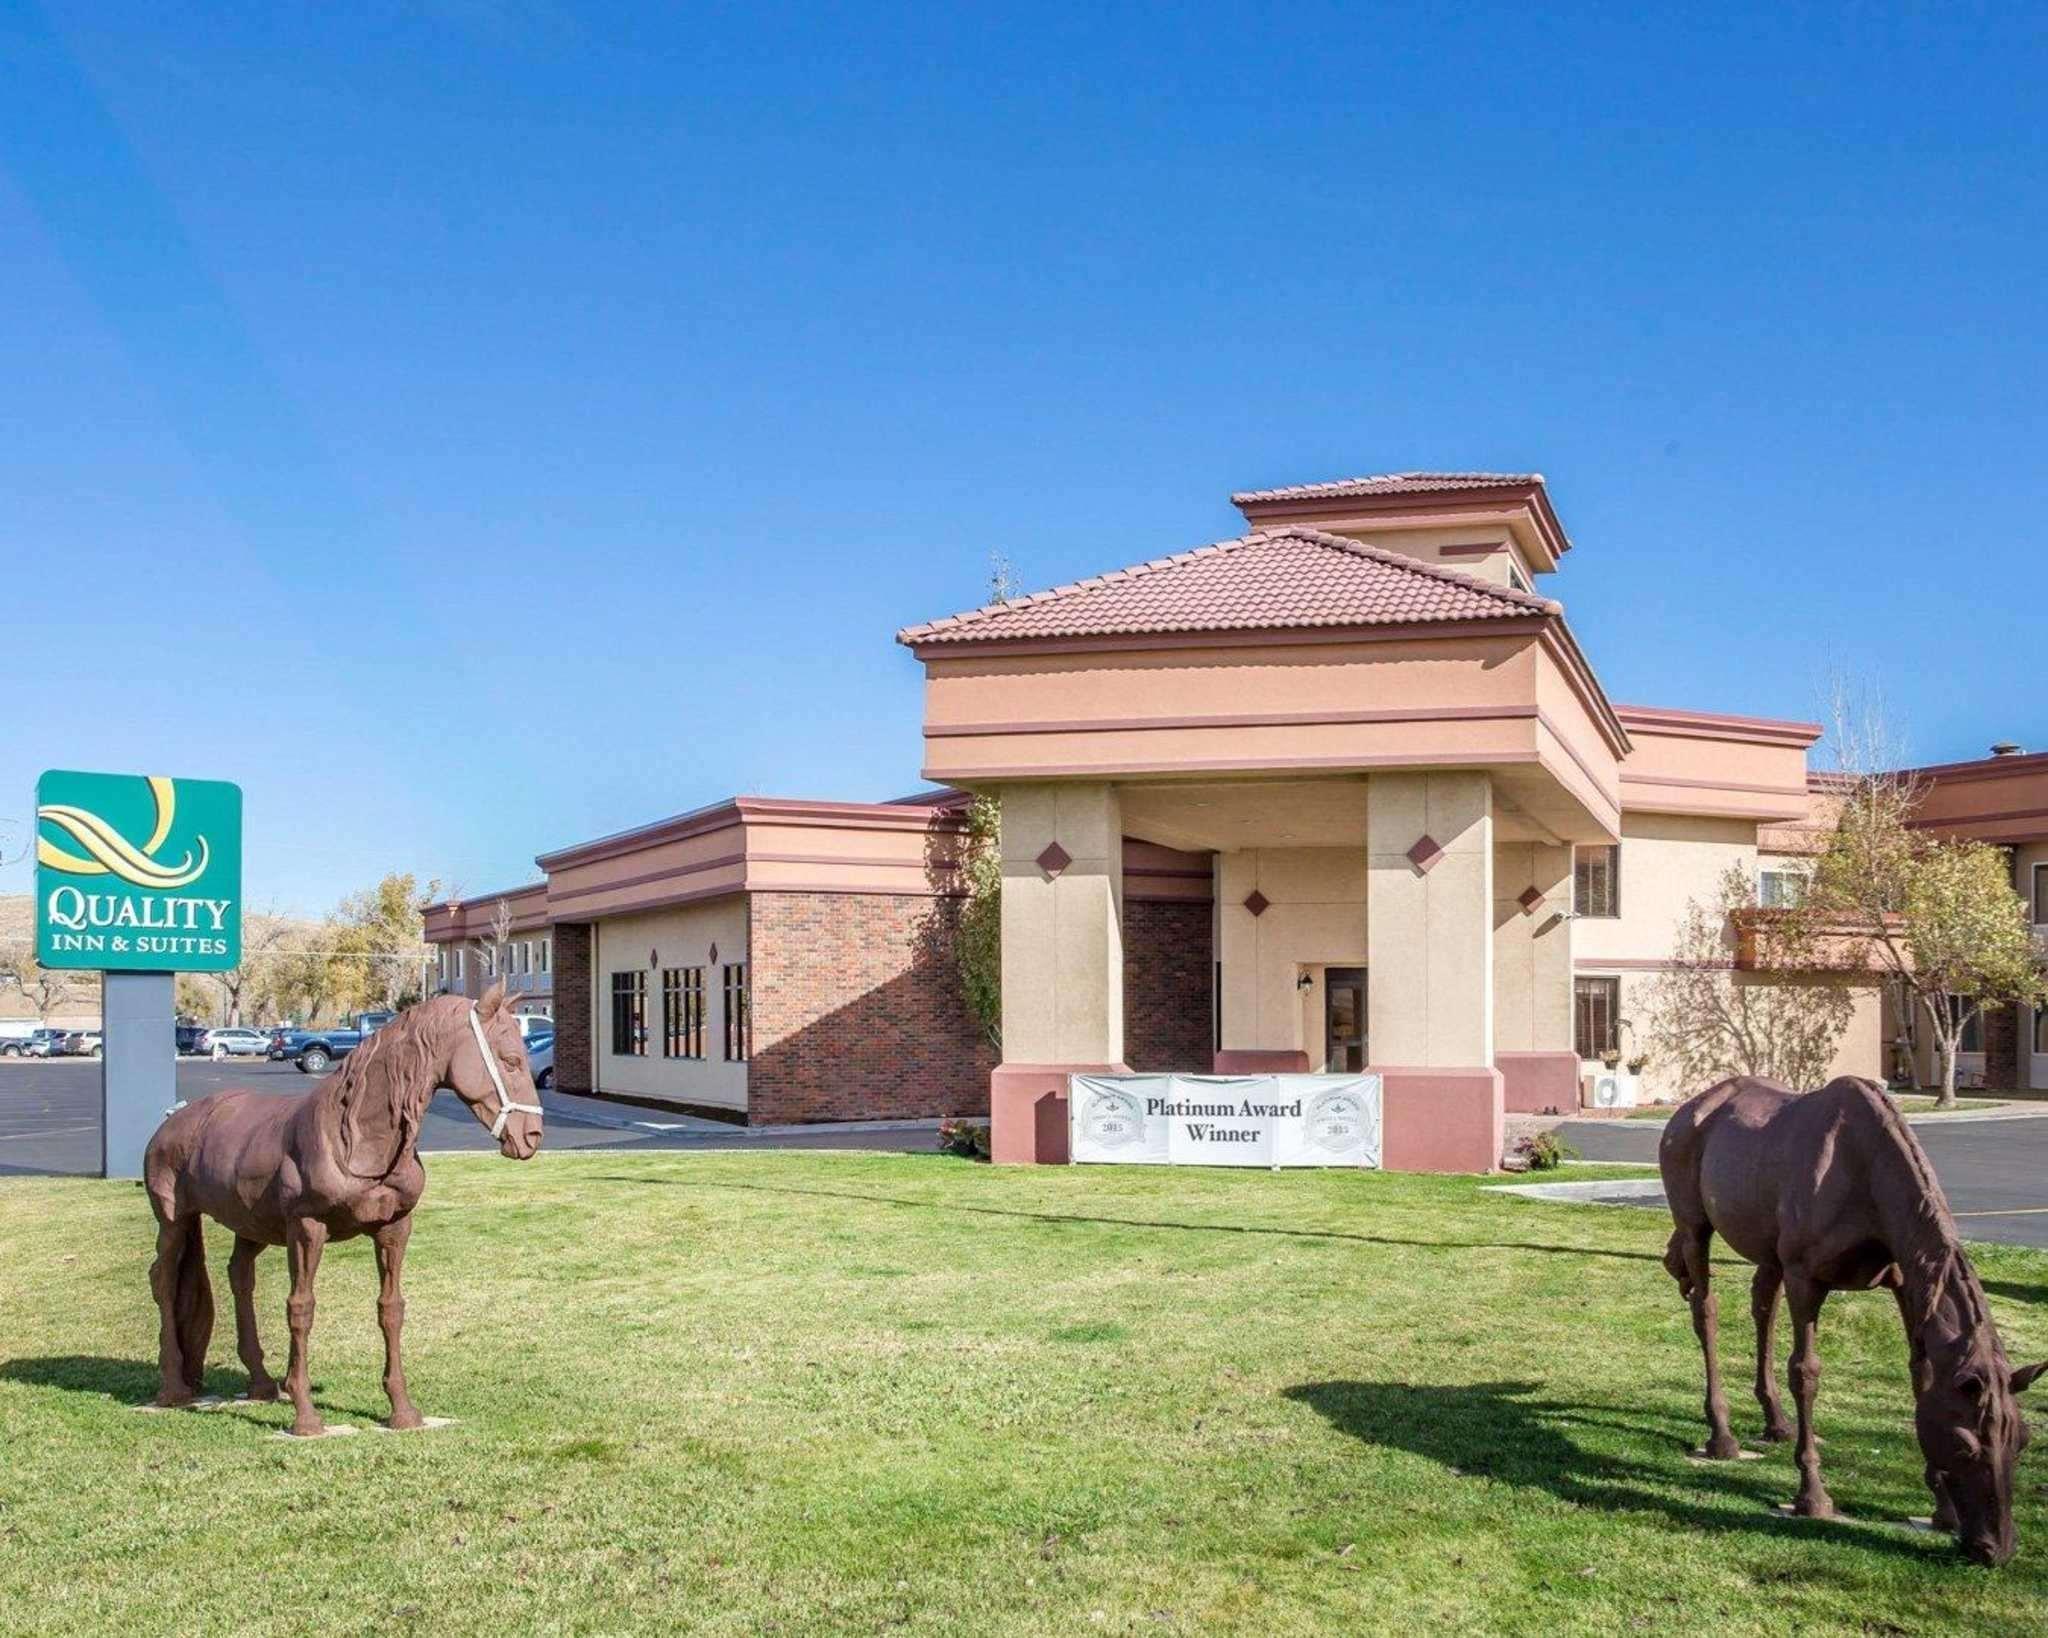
x,y
1392,483
1270,579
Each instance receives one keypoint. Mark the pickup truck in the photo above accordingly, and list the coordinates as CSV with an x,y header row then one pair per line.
x,y
316,1051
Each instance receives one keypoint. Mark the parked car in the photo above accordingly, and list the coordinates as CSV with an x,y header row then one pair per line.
x,y
190,1039
235,1042
41,1044
13,1032
78,1043
316,1051
540,1057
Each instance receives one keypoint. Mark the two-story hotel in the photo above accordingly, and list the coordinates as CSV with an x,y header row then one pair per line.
x,y
1339,792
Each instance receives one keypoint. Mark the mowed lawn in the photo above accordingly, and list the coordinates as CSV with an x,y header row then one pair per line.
x,y
802,1393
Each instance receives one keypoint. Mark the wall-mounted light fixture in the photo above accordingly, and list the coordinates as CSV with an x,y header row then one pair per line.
x,y
1305,982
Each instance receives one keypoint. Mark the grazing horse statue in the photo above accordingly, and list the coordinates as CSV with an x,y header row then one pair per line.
x,y
1829,1191
331,1164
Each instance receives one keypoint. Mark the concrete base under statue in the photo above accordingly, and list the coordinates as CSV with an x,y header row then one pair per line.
x,y
1432,1120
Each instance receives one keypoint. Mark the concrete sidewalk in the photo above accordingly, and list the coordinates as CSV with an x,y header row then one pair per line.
x,y
628,1117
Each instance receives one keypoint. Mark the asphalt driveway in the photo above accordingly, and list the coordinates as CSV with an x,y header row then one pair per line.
x,y
1994,1168
50,1118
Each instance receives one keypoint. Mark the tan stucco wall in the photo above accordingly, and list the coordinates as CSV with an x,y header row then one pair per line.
x,y
1315,918
1666,859
678,937
1861,1050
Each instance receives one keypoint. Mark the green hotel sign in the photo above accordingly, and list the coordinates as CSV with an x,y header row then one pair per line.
x,y
138,873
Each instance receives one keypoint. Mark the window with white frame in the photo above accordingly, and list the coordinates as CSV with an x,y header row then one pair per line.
x,y
1596,882
1596,1012
2041,895
2041,1029
1781,889
543,953
458,964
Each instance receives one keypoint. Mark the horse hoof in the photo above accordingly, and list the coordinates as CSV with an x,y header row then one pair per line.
x,y
1777,1433
312,1429
262,1392
174,1399
1722,1448
404,1421
1810,1507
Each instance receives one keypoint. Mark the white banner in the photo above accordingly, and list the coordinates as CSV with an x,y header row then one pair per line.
x,y
1225,1120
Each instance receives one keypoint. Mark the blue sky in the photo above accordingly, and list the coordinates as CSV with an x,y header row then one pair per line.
x,y
477,426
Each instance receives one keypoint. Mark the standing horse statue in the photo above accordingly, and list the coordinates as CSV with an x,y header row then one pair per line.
x,y
331,1164
1829,1191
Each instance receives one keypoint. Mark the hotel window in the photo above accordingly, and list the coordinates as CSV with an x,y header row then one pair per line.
x,y
1596,882
490,958
543,952
737,1018
629,1015
1973,1034
682,1012
2041,1029
1516,578
1781,889
458,964
1596,1005
2041,895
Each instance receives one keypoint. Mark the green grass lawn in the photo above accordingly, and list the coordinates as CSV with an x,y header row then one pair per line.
x,y
801,1393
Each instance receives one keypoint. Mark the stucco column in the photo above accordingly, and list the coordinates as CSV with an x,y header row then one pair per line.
x,y
1063,959
1429,940
1532,976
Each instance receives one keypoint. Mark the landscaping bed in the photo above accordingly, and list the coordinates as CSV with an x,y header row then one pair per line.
x,y
817,1392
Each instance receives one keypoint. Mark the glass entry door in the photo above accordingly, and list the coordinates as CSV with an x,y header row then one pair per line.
x,y
1344,1020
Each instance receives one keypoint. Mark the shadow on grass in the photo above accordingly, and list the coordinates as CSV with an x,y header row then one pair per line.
x,y
1509,1433
1136,1222
125,1381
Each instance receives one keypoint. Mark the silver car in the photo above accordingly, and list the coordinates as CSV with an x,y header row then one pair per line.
x,y
235,1042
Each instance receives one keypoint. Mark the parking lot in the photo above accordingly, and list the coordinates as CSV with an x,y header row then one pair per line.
x,y
50,1121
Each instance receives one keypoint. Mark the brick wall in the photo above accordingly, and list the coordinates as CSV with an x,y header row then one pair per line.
x,y
1168,985
2002,1047
857,1011
573,1020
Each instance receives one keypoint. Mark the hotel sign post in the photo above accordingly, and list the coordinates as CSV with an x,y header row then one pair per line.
x,y
138,878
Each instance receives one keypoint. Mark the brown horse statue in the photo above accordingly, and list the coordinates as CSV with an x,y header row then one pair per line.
x,y
1829,1191
331,1164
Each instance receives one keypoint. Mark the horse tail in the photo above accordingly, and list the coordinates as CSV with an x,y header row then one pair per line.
x,y
193,1303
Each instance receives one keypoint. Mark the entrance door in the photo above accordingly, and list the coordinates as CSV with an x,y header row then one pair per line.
x,y
1344,1020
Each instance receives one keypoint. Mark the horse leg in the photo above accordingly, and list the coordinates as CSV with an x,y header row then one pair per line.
x,y
1944,1510
391,1241
1805,1297
173,1237
306,1238
1763,1308
195,1307
242,1281
1699,1289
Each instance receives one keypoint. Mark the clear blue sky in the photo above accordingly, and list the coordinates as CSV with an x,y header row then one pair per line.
x,y
476,426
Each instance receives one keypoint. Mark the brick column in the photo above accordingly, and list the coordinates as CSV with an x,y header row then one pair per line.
x,y
574,1024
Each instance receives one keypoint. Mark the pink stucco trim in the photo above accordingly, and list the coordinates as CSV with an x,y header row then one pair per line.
x,y
1027,1111
1441,1120
1538,1083
1246,1061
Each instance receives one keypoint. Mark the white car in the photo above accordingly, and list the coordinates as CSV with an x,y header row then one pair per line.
x,y
235,1042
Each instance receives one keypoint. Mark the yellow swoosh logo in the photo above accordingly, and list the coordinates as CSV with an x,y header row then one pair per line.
x,y
108,852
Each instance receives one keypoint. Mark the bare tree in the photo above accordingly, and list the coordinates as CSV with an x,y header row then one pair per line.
x,y
42,987
262,934
1712,1021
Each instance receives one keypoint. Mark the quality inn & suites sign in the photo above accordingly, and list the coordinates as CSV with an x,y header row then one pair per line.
x,y
138,873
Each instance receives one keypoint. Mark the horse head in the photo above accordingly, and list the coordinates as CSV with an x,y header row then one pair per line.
x,y
1971,1432
488,1071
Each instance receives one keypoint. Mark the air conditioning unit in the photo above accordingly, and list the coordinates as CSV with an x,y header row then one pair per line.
x,y
1608,1089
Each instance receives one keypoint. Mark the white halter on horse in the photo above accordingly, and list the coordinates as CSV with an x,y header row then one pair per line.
x,y
506,1106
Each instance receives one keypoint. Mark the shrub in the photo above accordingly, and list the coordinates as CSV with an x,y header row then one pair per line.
x,y
965,1138
1546,1151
